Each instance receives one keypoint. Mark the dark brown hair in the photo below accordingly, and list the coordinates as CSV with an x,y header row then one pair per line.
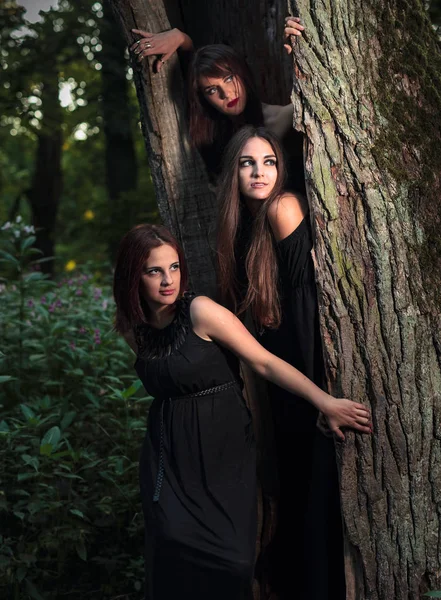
x,y
261,262
207,124
133,251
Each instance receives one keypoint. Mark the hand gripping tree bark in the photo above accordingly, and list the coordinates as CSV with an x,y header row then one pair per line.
x,y
367,96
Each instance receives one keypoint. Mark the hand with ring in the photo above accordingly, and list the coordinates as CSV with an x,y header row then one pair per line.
x,y
292,27
153,44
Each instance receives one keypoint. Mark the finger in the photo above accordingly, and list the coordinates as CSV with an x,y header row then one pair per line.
x,y
362,428
145,53
142,32
339,433
291,31
140,49
287,48
289,18
294,26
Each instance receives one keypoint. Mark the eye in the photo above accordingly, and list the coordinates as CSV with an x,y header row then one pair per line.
x,y
152,272
229,79
271,162
246,162
210,91
175,267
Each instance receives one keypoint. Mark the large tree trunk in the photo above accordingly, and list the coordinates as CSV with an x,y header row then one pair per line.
x,y
120,157
367,96
45,192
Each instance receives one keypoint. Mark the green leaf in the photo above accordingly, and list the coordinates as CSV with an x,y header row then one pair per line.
x,y
68,419
52,437
8,257
132,389
31,460
77,512
21,574
81,550
4,378
28,412
434,594
27,242
45,449
4,427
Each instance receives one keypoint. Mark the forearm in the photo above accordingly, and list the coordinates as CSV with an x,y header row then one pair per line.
x,y
186,43
291,379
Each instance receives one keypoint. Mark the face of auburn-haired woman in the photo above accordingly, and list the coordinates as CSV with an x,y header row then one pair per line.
x,y
257,169
161,277
226,94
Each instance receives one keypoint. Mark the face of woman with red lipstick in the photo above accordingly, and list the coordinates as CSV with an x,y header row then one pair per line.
x,y
226,94
257,169
161,278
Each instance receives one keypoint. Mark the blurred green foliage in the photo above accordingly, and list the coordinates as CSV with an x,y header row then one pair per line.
x,y
72,419
67,41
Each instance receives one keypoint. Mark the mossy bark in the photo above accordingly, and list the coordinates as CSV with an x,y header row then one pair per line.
x,y
367,96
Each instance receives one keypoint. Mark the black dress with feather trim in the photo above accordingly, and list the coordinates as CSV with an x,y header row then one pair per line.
x,y
197,466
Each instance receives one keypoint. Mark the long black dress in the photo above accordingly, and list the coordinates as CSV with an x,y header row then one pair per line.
x,y
197,466
306,556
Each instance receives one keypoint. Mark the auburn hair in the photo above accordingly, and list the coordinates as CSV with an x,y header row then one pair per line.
x,y
208,125
134,249
261,294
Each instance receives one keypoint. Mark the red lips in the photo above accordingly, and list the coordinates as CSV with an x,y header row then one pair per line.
x,y
232,103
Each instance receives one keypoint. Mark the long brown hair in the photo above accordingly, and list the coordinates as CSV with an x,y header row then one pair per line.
x,y
261,262
134,249
208,125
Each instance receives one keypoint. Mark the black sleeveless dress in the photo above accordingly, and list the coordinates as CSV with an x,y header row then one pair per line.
x,y
197,466
306,556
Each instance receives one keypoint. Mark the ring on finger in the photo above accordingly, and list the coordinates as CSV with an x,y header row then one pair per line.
x,y
147,46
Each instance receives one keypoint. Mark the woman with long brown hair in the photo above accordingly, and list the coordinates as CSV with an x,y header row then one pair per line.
x,y
197,466
265,265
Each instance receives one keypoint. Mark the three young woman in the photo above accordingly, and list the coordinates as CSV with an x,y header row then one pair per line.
x,y
197,468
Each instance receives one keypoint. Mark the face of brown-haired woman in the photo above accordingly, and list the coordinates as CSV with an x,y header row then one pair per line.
x,y
257,169
161,277
226,94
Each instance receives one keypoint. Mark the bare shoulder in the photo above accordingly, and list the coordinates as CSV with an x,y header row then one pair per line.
x,y
286,213
205,313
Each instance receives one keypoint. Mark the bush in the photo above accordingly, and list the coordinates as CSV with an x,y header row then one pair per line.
x,y
72,420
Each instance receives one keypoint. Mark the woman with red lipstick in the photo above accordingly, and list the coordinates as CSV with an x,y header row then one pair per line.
x,y
265,265
223,96
197,466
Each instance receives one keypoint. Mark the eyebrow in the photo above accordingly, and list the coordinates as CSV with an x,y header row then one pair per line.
x,y
266,156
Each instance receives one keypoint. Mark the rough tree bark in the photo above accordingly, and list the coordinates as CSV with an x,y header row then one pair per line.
x,y
185,202
367,96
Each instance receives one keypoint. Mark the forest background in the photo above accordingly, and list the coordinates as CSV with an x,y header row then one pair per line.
x,y
73,179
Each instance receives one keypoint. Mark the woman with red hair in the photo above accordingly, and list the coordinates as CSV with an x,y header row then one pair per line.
x,y
197,466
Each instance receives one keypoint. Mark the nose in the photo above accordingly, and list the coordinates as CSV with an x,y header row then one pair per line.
x,y
257,169
167,279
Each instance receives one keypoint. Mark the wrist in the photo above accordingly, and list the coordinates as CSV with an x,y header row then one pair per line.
x,y
180,36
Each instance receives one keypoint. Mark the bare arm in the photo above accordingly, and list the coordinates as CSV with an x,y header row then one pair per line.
x,y
212,321
164,44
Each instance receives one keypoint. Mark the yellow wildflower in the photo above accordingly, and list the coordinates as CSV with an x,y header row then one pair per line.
x,y
89,215
70,266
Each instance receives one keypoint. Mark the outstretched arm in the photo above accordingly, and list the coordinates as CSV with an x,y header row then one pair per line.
x,y
164,44
214,322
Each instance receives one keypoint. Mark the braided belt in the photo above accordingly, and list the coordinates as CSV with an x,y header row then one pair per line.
x,y
207,392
